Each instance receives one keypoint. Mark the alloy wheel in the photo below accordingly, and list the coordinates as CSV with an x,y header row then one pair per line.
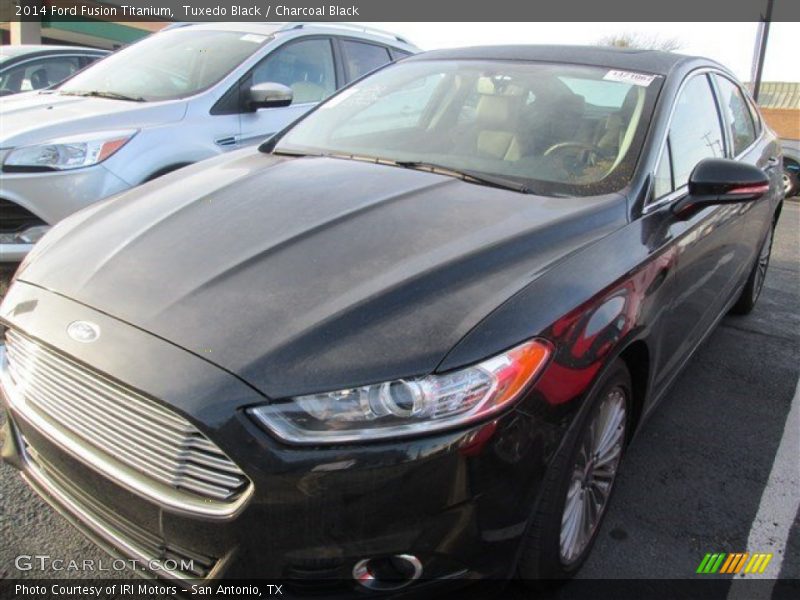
x,y
593,475
787,184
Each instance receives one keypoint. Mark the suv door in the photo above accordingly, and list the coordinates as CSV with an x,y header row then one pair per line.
x,y
360,57
307,66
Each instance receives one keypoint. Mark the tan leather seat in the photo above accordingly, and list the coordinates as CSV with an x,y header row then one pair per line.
x,y
496,119
609,136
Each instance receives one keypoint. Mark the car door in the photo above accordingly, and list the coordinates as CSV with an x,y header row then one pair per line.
x,y
746,144
707,254
306,65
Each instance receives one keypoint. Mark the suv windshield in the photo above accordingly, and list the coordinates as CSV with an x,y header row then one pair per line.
x,y
169,65
552,128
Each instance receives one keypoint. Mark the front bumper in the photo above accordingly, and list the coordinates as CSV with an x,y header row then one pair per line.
x,y
460,501
53,195
13,253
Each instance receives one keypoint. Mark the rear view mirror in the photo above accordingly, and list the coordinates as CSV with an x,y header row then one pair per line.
x,y
722,181
268,95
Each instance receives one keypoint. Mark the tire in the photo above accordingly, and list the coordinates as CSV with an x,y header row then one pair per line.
x,y
549,553
755,282
791,181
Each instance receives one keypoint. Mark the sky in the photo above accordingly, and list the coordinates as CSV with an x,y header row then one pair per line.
x,y
731,44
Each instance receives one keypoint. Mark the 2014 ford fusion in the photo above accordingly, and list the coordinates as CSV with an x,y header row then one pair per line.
x,y
408,339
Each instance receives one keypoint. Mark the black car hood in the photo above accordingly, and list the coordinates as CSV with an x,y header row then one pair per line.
x,y
310,274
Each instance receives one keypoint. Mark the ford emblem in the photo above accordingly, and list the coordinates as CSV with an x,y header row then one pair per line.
x,y
83,331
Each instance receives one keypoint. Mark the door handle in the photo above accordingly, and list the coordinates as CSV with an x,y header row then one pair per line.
x,y
772,162
230,140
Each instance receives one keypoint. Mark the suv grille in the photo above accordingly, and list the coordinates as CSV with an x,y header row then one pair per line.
x,y
119,422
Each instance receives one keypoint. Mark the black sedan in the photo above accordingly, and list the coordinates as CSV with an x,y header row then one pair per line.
x,y
30,67
409,338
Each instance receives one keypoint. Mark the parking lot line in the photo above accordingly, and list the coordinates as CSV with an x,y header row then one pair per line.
x,y
779,504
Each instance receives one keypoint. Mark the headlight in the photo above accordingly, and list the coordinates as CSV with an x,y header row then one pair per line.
x,y
407,406
69,152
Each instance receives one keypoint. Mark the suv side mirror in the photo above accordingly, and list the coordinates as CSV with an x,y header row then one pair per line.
x,y
268,95
721,181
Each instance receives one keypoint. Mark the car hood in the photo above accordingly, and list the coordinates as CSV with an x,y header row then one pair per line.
x,y
37,117
307,274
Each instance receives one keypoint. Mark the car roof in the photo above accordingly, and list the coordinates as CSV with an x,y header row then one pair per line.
x,y
355,30
243,26
650,61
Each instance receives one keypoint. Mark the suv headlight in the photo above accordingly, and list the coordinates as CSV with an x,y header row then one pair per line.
x,y
407,406
69,152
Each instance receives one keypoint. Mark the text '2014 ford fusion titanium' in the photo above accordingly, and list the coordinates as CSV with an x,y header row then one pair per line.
x,y
408,339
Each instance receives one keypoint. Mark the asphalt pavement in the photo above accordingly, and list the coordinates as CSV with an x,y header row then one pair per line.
x,y
692,482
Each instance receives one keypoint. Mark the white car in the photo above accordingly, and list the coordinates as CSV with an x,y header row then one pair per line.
x,y
182,95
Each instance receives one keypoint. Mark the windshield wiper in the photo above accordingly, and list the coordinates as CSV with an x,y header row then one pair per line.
x,y
463,174
467,175
293,153
109,95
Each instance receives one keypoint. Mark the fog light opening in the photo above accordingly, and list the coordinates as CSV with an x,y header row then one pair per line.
x,y
387,572
31,235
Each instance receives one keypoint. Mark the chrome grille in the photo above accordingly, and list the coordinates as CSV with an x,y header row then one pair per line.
x,y
128,538
120,422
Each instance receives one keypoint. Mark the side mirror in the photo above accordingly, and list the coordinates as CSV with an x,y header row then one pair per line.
x,y
268,95
722,181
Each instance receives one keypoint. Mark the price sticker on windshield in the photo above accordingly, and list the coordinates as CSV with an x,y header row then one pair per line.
x,y
253,37
628,77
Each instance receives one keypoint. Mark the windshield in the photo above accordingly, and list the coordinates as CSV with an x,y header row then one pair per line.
x,y
169,65
553,128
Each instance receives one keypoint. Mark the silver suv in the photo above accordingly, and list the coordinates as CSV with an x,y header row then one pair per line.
x,y
182,95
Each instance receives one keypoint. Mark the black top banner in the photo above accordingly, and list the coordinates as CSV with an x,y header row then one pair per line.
x,y
403,10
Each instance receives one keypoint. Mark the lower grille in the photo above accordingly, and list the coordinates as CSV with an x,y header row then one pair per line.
x,y
108,425
148,549
14,218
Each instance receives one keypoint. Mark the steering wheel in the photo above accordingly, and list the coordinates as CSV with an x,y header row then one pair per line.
x,y
571,145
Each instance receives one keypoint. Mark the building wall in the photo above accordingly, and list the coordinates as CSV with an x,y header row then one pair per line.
x,y
784,121
108,35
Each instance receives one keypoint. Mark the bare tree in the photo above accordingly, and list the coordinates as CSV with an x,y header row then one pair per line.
x,y
640,41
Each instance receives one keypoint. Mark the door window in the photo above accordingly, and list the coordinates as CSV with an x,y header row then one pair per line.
x,y
39,74
740,123
305,66
663,177
754,114
397,54
362,58
695,132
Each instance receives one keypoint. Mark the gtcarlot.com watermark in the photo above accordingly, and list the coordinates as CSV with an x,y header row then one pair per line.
x,y
61,567
44,562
